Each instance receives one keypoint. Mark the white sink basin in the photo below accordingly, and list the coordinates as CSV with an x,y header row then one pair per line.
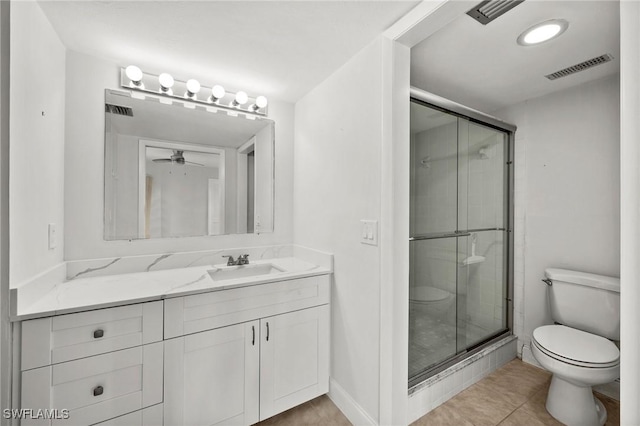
x,y
243,271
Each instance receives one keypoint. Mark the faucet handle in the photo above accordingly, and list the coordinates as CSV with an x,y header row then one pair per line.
x,y
244,259
230,262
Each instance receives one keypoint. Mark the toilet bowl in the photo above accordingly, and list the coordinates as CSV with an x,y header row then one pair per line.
x,y
580,353
578,360
433,301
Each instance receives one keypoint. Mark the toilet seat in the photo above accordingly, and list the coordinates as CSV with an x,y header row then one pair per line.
x,y
427,294
576,347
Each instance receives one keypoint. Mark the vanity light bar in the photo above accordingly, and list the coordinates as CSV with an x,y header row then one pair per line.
x,y
165,86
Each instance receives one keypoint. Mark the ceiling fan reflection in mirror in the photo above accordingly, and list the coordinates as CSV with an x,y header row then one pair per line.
x,y
177,157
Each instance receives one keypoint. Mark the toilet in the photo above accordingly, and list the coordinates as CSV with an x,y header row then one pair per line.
x,y
578,350
434,301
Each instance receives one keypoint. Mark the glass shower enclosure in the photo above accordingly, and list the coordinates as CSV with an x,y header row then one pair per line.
x,y
460,233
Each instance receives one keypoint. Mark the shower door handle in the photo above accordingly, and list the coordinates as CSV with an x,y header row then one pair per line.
x,y
435,236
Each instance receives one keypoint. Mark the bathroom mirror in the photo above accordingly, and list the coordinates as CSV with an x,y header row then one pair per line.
x,y
175,169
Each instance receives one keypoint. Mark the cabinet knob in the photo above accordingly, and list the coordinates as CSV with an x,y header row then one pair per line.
x,y
98,390
98,333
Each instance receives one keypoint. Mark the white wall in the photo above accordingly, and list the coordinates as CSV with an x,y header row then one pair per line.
x,y
630,211
87,78
180,199
567,190
337,182
37,142
5,325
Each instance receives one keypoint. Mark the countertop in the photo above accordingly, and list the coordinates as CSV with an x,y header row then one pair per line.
x,y
83,294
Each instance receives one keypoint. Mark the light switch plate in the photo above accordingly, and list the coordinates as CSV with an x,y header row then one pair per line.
x,y
369,232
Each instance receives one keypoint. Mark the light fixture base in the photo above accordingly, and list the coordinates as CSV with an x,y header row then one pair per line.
x,y
542,32
150,85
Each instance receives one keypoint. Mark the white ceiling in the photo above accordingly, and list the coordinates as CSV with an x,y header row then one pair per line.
x,y
281,49
484,68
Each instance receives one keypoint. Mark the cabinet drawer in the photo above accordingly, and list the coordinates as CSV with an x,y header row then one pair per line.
x,y
64,338
191,314
97,388
151,416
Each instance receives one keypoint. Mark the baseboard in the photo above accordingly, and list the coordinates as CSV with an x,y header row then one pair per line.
x,y
349,407
527,356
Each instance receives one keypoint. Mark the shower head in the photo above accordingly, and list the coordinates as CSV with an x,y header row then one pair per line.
x,y
483,154
426,162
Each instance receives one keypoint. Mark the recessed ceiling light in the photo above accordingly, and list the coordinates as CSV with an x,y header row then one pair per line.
x,y
542,32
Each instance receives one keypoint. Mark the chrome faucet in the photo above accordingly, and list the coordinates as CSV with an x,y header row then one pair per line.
x,y
242,260
230,261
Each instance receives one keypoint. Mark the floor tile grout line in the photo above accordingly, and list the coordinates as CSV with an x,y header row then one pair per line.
x,y
515,409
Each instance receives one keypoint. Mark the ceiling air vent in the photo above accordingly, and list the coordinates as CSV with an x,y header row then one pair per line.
x,y
118,110
580,67
489,10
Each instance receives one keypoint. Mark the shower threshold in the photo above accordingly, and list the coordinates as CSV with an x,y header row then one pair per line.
x,y
418,380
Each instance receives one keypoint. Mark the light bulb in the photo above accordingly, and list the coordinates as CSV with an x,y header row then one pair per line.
x,y
166,82
240,99
261,101
193,87
134,74
542,33
217,93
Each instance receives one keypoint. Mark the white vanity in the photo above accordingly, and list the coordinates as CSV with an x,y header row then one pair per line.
x,y
184,346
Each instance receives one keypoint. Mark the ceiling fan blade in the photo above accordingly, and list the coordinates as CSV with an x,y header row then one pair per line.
x,y
197,164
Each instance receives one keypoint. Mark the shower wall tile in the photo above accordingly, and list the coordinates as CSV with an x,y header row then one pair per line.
x,y
447,384
434,187
467,377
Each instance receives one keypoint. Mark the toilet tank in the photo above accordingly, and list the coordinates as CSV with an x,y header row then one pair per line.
x,y
585,301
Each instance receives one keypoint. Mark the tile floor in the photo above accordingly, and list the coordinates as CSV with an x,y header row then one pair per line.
x,y
513,395
319,411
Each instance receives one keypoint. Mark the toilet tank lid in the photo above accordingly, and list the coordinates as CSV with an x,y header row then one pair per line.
x,y
584,278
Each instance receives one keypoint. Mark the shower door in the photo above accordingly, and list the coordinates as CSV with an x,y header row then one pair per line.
x,y
459,240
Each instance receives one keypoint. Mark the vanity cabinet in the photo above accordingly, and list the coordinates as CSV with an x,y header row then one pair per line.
x,y
151,416
242,373
229,357
98,365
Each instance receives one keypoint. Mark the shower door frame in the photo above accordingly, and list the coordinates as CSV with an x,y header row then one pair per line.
x,y
445,105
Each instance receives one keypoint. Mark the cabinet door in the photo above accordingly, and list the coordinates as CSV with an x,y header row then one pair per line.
x,y
294,359
212,377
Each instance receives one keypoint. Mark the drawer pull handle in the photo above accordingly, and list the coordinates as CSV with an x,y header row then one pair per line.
x,y
267,331
98,333
253,339
98,390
